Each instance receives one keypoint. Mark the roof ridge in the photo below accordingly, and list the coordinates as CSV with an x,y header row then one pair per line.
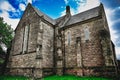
x,y
86,11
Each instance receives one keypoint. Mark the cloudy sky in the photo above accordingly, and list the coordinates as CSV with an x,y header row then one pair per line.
x,y
12,10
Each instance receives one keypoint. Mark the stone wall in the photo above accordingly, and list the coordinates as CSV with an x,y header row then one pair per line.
x,y
27,62
91,50
23,61
47,46
39,48
45,39
29,19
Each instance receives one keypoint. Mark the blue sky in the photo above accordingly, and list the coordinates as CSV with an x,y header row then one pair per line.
x,y
12,10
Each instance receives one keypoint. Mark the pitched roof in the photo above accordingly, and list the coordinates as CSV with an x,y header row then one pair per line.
x,y
94,12
84,16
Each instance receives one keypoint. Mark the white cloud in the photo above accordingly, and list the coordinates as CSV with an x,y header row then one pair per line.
x,y
109,13
12,22
30,1
80,2
117,49
66,1
25,1
82,6
64,12
5,6
22,6
88,5
73,11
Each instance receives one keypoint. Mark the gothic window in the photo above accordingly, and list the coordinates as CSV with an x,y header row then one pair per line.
x,y
28,13
87,33
41,26
69,37
25,39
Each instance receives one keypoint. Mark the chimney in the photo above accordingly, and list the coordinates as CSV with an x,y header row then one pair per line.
x,y
68,10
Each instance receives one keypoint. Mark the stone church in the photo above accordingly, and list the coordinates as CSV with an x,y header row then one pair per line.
x,y
72,44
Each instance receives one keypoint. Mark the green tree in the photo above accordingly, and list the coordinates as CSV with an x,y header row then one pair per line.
x,y
6,33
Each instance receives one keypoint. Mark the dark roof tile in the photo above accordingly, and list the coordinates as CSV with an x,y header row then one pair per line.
x,y
83,16
94,12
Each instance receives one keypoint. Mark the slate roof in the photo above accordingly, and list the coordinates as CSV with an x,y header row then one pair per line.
x,y
94,12
84,16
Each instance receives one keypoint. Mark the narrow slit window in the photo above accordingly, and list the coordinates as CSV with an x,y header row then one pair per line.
x,y
87,33
25,39
69,38
41,26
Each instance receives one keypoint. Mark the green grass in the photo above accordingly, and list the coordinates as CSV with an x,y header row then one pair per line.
x,y
70,77
54,77
13,78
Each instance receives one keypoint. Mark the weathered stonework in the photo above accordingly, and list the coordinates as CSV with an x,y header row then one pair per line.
x,y
78,45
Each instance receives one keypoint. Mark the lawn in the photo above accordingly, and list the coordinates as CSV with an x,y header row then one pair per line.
x,y
70,77
54,77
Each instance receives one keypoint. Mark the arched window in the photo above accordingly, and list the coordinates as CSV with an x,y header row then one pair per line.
x,y
25,39
87,33
69,38
41,25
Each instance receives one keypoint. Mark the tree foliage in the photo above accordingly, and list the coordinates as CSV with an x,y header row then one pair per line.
x,y
6,33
